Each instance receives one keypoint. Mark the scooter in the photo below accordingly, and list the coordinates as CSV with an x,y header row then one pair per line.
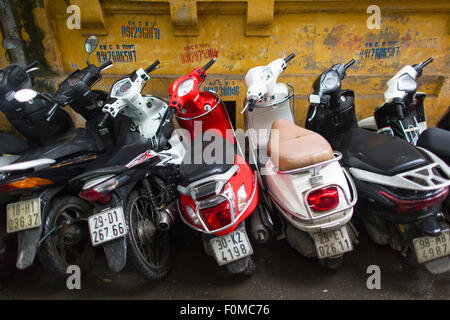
x,y
38,179
136,183
299,173
217,192
403,115
27,118
400,187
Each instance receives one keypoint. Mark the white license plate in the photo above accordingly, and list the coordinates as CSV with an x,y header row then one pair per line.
x,y
430,248
23,215
107,225
332,243
231,247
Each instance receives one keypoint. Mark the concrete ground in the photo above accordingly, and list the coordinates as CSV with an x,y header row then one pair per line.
x,y
281,273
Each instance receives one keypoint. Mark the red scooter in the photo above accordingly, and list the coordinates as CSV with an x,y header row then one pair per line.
x,y
218,190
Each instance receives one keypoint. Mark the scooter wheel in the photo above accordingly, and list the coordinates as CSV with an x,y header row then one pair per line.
x,y
251,267
149,249
332,263
64,247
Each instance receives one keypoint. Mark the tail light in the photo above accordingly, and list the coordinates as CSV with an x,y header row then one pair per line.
x,y
324,199
26,183
217,216
416,205
101,192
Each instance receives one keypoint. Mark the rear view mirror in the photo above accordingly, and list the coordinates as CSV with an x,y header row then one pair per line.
x,y
25,95
91,44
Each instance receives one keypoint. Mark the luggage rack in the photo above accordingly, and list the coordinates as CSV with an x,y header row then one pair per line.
x,y
315,168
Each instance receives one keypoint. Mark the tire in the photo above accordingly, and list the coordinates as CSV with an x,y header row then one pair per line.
x,y
143,247
332,264
54,254
251,267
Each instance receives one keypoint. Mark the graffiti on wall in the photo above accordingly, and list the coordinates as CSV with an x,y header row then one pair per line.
x,y
141,30
117,53
198,52
223,87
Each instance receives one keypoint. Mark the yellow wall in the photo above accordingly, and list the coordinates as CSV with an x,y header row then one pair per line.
x,y
249,33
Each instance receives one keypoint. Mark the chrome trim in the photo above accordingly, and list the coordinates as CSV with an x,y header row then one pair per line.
x,y
205,113
31,164
221,180
337,157
233,218
312,218
271,104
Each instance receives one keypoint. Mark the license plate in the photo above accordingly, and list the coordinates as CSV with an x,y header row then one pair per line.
x,y
107,225
332,243
231,247
23,215
430,248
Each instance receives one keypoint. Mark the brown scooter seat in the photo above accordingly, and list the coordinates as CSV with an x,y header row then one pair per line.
x,y
295,147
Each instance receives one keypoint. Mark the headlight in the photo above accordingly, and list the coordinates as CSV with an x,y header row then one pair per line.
x,y
330,82
185,87
406,83
121,88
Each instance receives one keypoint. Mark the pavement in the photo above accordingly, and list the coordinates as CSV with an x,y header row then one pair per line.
x,y
281,273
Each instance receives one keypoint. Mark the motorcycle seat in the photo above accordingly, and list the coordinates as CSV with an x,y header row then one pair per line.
x,y
11,144
437,141
382,154
71,143
217,157
295,147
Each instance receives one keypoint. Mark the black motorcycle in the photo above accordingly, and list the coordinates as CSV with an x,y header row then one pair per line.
x,y
400,187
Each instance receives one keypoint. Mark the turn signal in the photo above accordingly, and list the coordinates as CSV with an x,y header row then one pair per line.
x,y
324,199
27,183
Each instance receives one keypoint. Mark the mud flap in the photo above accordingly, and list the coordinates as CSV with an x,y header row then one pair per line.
x,y
28,241
116,254
438,266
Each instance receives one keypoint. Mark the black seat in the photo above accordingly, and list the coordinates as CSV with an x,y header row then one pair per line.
x,y
75,141
437,141
11,144
217,156
379,153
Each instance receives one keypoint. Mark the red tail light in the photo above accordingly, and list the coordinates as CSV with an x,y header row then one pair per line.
x,y
91,195
218,216
416,205
324,199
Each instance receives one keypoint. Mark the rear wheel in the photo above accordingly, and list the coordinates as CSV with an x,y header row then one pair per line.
x,y
332,263
150,250
69,242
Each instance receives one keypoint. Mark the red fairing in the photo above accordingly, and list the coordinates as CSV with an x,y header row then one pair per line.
x,y
244,176
193,104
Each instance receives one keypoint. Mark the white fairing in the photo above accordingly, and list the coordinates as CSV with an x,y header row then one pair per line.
x,y
368,123
392,91
287,190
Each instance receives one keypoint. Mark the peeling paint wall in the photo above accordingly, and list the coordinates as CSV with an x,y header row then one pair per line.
x,y
243,34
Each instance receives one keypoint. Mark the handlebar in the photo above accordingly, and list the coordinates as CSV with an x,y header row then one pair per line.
x,y
102,122
105,65
399,110
349,64
422,65
31,66
51,112
289,57
209,64
152,66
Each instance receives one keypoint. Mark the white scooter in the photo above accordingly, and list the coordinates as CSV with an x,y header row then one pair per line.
x,y
402,113
299,173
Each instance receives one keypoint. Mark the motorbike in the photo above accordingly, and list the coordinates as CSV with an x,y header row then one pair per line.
x,y
137,183
299,173
400,187
43,206
403,115
217,192
27,118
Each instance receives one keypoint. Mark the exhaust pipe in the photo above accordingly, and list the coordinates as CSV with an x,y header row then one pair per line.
x,y
259,231
165,217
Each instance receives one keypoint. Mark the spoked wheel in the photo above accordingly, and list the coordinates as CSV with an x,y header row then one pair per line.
x,y
149,248
69,241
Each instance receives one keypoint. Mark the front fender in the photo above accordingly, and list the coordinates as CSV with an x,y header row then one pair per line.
x,y
28,240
